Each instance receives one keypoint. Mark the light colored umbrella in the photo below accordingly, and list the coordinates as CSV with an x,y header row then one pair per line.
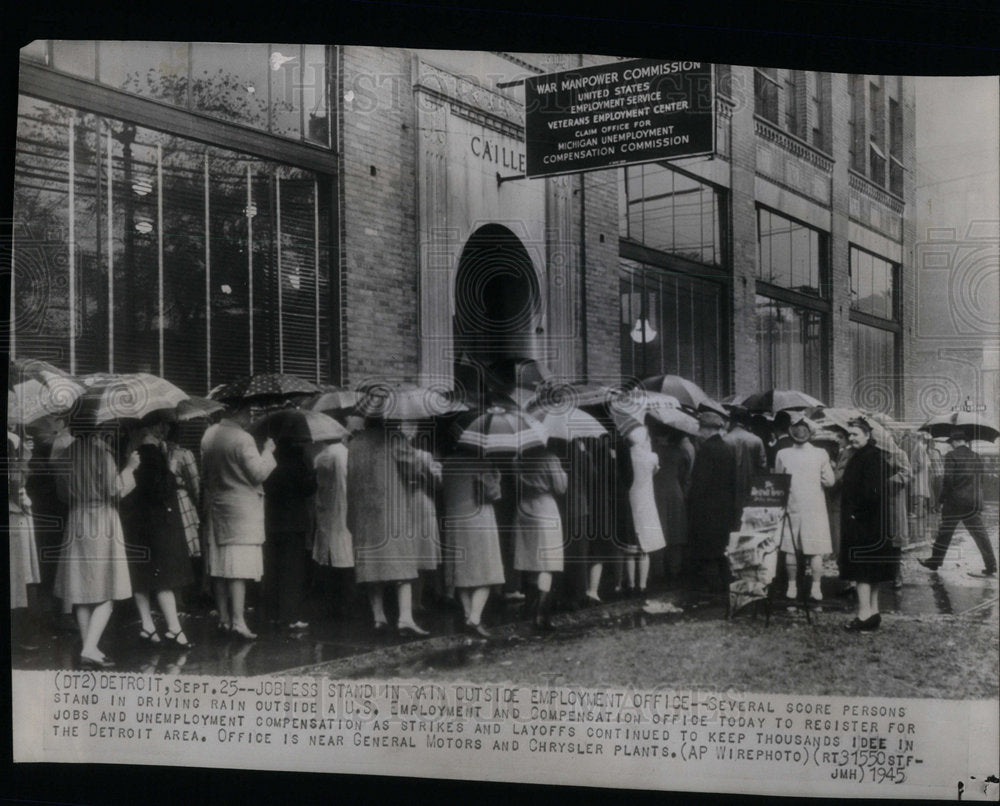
x,y
500,430
567,425
972,423
333,399
195,407
406,402
264,385
37,389
300,425
129,396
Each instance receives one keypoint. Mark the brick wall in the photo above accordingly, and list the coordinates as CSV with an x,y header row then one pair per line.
x,y
378,237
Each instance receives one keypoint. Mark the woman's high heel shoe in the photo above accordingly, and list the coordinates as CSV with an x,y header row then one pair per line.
x,y
149,636
175,640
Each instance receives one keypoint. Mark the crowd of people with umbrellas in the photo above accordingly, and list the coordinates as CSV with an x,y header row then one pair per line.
x,y
532,491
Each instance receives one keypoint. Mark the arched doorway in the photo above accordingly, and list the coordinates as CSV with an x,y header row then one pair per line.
x,y
497,307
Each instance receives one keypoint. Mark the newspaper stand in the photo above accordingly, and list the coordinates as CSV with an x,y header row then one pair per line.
x,y
753,550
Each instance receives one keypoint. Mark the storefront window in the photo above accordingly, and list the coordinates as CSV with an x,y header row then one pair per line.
x,y
672,323
669,211
187,260
789,347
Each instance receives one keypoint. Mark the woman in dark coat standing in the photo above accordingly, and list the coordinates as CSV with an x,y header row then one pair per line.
x,y
867,554
158,554
669,488
288,524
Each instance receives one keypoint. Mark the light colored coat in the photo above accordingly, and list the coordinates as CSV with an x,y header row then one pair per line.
x,y
333,544
645,516
233,472
811,471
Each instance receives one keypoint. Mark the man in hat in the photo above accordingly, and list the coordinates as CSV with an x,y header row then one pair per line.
x,y
748,449
713,510
779,428
961,503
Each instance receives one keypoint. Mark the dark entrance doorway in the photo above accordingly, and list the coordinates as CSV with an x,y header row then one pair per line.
x,y
496,308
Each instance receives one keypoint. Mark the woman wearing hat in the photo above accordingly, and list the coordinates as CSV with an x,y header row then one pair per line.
x,y
810,469
867,554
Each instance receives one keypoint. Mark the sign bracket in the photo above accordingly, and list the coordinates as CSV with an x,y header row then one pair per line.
x,y
502,179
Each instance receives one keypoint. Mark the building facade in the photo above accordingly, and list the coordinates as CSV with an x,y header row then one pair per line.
x,y
354,212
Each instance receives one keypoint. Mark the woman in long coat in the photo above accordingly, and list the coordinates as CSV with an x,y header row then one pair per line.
x,y
809,532
378,517
645,516
93,568
151,518
537,526
24,570
472,562
233,472
867,554
422,476
669,488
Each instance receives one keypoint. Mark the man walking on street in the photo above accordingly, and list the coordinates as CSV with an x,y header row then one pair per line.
x,y
962,502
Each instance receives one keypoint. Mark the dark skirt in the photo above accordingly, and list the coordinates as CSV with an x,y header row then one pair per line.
x,y
865,557
158,554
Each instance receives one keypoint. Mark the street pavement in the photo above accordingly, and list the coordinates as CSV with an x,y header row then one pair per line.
x,y
344,645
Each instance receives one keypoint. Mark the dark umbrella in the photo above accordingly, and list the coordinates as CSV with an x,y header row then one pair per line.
x,y
968,421
775,400
264,386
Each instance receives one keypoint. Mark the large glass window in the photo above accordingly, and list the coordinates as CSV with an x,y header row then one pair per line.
x,y
790,255
789,347
137,250
874,329
672,323
277,88
671,212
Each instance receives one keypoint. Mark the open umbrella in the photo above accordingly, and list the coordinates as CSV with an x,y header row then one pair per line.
x,y
264,385
775,400
500,430
406,402
195,407
129,396
972,423
688,393
36,389
835,417
333,399
567,424
675,418
298,425
556,395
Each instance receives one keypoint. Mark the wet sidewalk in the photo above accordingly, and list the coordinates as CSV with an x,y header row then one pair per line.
x,y
345,645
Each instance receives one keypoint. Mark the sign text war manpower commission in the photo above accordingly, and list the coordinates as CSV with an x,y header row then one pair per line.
x,y
631,112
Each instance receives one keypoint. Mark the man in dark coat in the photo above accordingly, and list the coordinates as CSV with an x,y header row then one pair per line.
x,y
961,502
713,511
748,449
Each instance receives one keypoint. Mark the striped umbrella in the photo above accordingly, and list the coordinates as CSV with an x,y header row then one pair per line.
x,y
500,430
567,425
